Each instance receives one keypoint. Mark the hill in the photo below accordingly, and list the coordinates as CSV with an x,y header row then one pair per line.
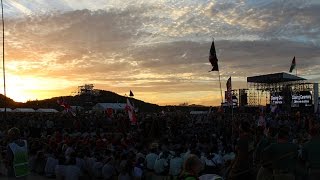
x,y
87,101
10,103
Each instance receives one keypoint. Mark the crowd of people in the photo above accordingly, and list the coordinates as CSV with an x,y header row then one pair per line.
x,y
164,145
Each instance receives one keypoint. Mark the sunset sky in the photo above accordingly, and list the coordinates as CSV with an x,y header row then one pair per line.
x,y
157,48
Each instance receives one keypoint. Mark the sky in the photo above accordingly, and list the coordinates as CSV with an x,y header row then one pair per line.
x,y
157,48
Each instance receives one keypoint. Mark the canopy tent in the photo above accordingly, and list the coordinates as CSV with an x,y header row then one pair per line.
x,y
8,109
24,110
105,106
41,110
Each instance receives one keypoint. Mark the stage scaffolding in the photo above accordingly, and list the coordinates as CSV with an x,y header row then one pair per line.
x,y
259,93
260,88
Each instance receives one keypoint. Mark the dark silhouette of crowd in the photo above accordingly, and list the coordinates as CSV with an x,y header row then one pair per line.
x,y
164,145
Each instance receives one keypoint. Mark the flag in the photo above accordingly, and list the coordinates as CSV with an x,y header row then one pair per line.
x,y
131,94
130,109
293,64
229,93
109,112
213,58
66,106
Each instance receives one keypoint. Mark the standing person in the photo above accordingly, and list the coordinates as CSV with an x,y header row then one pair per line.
x,y
176,164
150,160
138,169
282,157
265,170
17,155
161,166
191,169
310,153
240,167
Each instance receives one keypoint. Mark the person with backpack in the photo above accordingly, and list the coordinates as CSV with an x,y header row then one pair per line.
x,y
17,155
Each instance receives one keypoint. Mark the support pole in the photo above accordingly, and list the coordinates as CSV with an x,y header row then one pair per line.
x,y
220,88
3,67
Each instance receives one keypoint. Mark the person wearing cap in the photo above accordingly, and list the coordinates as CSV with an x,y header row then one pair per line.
x,y
17,155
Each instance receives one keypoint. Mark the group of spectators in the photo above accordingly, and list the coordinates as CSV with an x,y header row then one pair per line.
x,y
165,145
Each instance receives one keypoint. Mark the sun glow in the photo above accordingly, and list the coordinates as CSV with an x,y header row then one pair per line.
x,y
24,88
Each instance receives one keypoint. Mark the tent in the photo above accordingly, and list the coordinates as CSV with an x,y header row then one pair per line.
x,y
199,112
24,110
105,106
8,109
210,177
77,108
46,110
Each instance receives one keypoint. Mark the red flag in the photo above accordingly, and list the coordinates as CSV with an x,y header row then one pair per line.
x,y
130,109
109,112
213,58
66,106
229,92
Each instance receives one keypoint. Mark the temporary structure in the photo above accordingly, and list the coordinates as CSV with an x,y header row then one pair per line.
x,y
41,110
24,110
105,106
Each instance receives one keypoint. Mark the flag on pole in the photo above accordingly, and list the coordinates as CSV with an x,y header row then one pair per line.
x,y
213,58
293,64
66,106
229,92
131,94
130,109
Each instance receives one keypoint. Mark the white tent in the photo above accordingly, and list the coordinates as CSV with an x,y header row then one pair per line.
x,y
46,110
105,106
24,110
198,112
8,109
77,108
210,177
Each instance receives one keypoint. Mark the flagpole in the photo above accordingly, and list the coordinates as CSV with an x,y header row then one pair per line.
x,y
232,111
3,66
220,87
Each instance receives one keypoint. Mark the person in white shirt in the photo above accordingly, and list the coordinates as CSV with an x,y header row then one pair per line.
x,y
51,163
161,164
176,164
151,159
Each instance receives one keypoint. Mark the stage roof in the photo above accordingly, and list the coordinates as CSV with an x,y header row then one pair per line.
x,y
274,78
